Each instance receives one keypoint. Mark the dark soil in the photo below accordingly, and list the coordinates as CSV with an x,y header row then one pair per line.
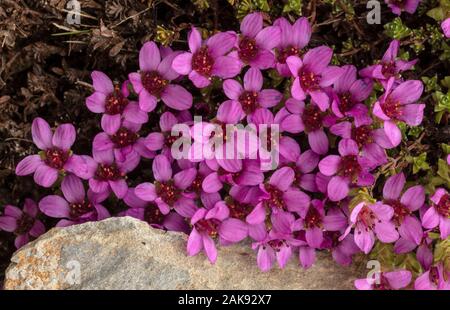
x,y
45,73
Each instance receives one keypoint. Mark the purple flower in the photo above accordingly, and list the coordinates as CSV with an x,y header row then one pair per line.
x,y
389,67
400,104
293,39
371,141
279,196
412,199
251,96
309,119
169,192
423,254
150,213
341,251
207,59
107,174
314,220
435,278
398,6
23,223
233,172
439,212
209,224
349,168
348,95
75,207
393,280
279,243
55,157
153,82
113,101
305,164
240,209
370,220
123,143
446,27
313,74
256,43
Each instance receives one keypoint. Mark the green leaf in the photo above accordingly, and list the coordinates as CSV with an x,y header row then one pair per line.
x,y
294,6
420,163
396,29
436,14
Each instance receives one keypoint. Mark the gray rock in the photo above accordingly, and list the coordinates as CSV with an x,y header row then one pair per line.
x,y
125,253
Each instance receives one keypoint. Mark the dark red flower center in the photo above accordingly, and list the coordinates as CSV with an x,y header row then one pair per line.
x,y
434,275
79,209
115,102
388,69
276,196
248,49
238,210
333,236
196,185
443,207
400,210
277,244
367,218
309,81
153,215
108,172
346,102
203,62
170,140
124,137
56,158
362,135
349,166
284,53
392,108
313,218
168,192
312,118
209,227
24,224
383,285
249,101
154,83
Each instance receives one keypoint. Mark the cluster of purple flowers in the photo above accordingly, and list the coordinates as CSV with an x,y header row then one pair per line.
x,y
302,206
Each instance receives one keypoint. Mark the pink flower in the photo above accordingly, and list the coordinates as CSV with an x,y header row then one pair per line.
x,y
393,280
389,67
74,208
256,43
113,101
279,196
309,119
209,224
169,192
438,213
251,96
349,168
207,59
446,27
412,199
341,251
435,278
372,142
398,6
150,213
313,74
153,82
123,144
293,39
371,220
399,104
349,94
305,164
314,221
55,158
23,223
107,174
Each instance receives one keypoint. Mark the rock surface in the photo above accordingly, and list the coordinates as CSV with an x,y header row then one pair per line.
x,y
125,253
